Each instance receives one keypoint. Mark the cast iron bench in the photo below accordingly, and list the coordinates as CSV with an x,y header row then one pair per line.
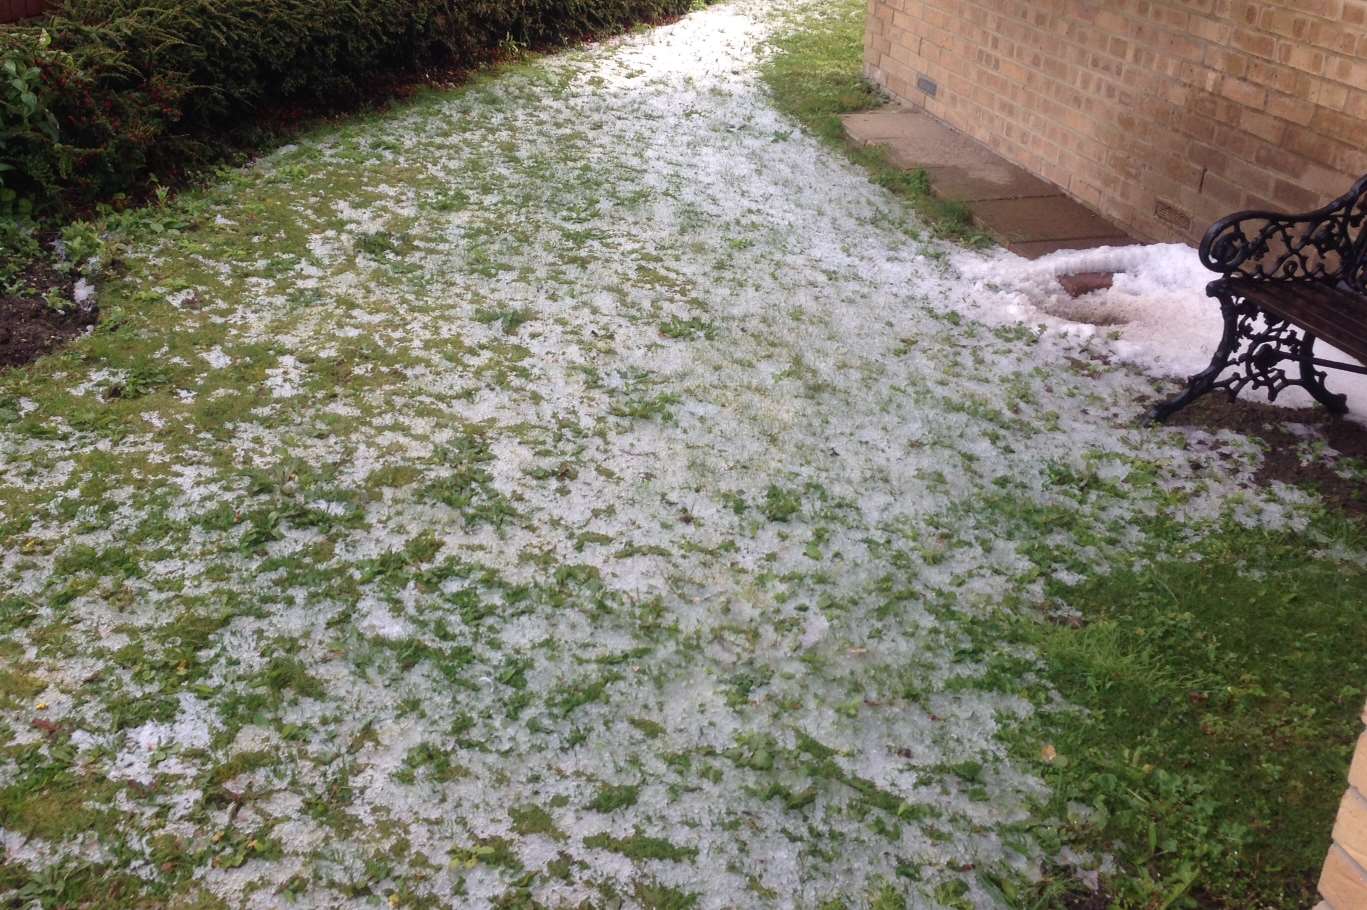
x,y
1286,282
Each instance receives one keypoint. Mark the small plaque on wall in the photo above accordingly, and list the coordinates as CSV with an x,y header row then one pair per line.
x,y
927,85
1171,215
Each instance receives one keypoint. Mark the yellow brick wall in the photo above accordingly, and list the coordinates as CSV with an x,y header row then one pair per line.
x,y
1343,882
1161,114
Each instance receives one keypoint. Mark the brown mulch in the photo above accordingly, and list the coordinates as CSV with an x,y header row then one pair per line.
x,y
1281,457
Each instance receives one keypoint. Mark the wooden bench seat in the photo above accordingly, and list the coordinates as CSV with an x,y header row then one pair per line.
x,y
1336,316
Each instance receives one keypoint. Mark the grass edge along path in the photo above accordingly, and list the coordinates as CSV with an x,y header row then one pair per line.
x,y
815,76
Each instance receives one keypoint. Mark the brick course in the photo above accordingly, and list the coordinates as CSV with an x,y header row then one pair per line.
x,y
1343,880
1162,114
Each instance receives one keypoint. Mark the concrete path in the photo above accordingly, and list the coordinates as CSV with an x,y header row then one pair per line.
x,y
1028,215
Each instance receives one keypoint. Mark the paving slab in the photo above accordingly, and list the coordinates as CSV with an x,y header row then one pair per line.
x,y
982,181
1041,218
917,140
1031,216
886,124
959,166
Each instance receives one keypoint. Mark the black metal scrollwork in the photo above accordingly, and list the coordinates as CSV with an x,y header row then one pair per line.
x,y
1357,272
1252,354
1265,343
1324,245
1327,247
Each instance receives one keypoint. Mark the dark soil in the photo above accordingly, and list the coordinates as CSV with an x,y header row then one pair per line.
x,y
30,327
1282,457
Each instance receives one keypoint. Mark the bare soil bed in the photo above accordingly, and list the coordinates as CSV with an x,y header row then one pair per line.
x,y
30,328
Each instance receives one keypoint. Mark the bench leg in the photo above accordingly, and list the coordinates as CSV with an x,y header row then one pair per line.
x,y
1253,348
1205,380
1313,380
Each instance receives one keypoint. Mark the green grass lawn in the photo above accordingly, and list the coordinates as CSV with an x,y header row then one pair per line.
x,y
581,488
1223,682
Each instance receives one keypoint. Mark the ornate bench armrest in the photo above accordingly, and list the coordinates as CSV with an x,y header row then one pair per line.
x,y
1270,246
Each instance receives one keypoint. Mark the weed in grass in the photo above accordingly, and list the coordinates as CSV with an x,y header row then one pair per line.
x,y
636,399
655,896
613,797
432,762
780,504
676,327
530,819
640,846
510,319
379,244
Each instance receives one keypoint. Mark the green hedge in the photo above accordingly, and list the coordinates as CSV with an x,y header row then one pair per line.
x,y
110,90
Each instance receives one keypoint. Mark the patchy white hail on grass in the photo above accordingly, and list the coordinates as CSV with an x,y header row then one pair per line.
x,y
216,358
283,380
82,292
602,520
98,381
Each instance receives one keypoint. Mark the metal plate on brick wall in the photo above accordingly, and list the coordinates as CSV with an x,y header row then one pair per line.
x,y
1171,215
